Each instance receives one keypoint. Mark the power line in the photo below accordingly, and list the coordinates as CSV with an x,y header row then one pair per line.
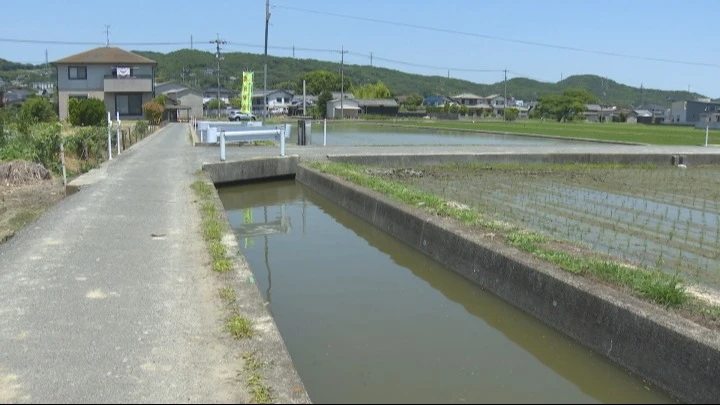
x,y
51,42
496,38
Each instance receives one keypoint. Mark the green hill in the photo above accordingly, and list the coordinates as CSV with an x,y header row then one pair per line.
x,y
282,72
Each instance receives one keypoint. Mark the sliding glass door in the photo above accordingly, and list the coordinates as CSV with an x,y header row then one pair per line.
x,y
129,104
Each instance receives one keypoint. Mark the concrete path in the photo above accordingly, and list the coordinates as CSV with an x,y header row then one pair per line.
x,y
95,309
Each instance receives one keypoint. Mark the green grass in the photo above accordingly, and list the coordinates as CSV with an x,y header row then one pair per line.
x,y
616,132
228,295
212,228
261,393
655,286
23,219
239,327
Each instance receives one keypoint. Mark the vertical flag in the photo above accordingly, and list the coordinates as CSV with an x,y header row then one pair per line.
x,y
246,95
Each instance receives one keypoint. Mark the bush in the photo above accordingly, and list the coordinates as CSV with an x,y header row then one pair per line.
x,y
38,109
87,112
141,128
87,143
153,111
41,144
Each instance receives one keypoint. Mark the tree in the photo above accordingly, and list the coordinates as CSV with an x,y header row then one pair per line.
x,y
236,102
319,81
511,114
377,90
564,107
320,109
153,111
414,100
38,109
213,104
161,99
87,112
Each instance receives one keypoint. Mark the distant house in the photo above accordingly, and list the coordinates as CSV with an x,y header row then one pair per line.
x,y
349,108
212,94
380,106
16,96
336,95
468,99
49,86
496,102
435,101
296,108
689,112
122,79
599,113
278,101
640,116
184,102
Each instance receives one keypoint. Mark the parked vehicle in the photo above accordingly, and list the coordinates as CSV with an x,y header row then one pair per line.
x,y
236,115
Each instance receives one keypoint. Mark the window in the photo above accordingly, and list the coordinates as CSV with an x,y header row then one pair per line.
x,y
128,104
78,96
77,73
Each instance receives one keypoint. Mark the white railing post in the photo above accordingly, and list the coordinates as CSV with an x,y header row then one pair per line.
x,y
282,141
707,135
222,146
117,133
324,131
109,136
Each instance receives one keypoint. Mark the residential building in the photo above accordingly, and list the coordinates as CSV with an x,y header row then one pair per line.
x,y
380,106
349,108
122,79
435,101
689,112
468,99
48,86
277,100
185,102
659,112
16,96
496,102
212,94
599,113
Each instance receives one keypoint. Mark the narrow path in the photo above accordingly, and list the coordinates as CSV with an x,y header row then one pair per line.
x,y
96,309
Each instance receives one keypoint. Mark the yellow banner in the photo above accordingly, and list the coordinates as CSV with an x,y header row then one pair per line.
x,y
246,95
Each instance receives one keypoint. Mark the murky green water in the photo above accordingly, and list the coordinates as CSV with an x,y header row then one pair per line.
x,y
368,319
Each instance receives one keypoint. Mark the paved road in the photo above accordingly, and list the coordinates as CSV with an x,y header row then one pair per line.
x,y
94,309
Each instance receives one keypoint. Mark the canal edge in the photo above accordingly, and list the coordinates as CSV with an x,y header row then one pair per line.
x,y
265,350
671,352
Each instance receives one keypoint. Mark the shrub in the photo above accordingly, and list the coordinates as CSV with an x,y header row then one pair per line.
x,y
87,112
141,128
38,109
153,111
87,142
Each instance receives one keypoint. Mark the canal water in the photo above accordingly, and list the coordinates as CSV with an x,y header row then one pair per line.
x,y
361,135
367,319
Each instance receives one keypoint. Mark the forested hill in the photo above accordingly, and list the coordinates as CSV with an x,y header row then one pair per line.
x,y
283,73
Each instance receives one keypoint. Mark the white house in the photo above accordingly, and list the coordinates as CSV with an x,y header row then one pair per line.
x,y
349,108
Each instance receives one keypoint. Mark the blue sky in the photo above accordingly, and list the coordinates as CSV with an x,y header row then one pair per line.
x,y
666,30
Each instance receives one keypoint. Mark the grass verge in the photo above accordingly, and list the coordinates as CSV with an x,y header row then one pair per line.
x,y
228,295
259,391
212,228
239,327
653,285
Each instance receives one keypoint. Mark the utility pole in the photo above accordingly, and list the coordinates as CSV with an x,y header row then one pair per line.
x,y
107,35
371,56
219,57
642,94
505,103
293,51
342,81
191,42
267,23
47,64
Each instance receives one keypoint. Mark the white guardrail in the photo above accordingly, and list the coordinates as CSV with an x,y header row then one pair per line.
x,y
213,132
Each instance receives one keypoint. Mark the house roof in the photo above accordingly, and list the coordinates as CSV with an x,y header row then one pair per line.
x,y
376,102
467,96
106,55
493,96
215,90
643,113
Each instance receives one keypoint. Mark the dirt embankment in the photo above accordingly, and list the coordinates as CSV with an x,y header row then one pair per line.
x,y
27,190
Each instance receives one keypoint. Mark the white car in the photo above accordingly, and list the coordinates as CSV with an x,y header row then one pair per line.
x,y
236,115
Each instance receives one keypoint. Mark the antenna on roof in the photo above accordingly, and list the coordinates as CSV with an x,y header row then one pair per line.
x,y
107,35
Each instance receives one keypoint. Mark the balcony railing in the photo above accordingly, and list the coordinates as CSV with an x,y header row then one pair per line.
x,y
128,84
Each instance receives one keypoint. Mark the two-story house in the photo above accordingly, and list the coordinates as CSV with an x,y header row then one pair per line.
x,y
122,79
